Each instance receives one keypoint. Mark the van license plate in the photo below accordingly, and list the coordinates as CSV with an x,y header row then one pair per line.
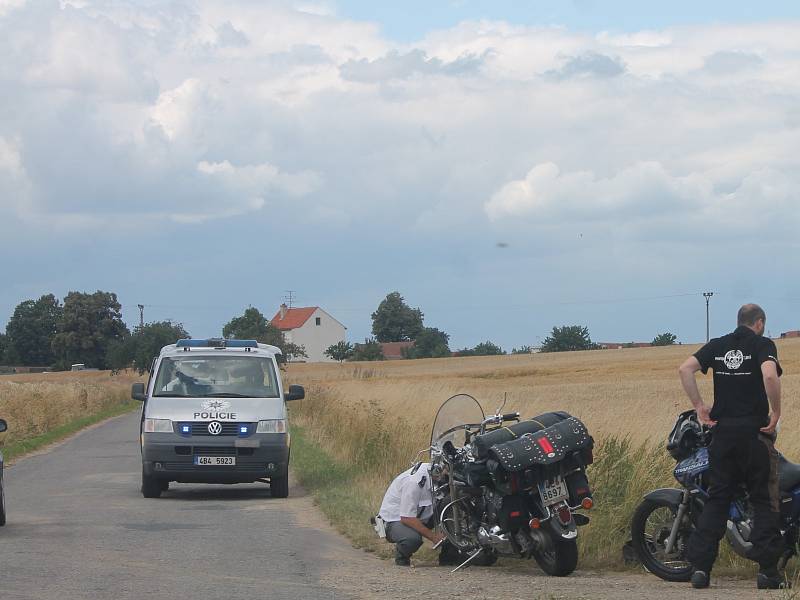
x,y
215,461
553,491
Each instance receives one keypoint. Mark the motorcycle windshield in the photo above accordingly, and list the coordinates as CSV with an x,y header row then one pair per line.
x,y
457,411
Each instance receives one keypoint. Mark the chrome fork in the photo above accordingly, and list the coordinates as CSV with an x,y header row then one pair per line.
x,y
673,534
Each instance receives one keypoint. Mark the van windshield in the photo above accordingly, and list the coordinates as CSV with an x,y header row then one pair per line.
x,y
216,377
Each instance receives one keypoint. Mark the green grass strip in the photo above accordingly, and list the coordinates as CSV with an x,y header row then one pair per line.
x,y
22,447
331,485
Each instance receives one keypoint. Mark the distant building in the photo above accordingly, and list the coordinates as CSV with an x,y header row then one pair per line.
x,y
310,327
620,345
791,334
394,350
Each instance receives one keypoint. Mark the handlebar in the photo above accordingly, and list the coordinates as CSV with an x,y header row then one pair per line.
x,y
511,416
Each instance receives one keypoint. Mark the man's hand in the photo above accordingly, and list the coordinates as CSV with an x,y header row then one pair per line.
x,y
773,423
438,536
704,415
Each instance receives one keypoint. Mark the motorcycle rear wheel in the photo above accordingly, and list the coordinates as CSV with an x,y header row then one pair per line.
x,y
560,557
650,529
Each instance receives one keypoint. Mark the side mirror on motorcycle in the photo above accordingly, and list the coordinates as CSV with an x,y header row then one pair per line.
x,y
503,405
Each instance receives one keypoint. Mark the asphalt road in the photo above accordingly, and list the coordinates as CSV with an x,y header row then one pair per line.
x,y
79,528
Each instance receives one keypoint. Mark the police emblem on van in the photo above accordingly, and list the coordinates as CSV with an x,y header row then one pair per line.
x,y
218,405
215,428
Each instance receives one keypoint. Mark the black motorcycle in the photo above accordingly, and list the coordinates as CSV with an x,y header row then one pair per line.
x,y
665,519
511,490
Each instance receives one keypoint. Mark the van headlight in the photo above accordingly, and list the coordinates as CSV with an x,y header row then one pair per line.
x,y
157,426
272,426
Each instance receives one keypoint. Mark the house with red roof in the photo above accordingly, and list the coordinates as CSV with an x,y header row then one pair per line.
x,y
310,327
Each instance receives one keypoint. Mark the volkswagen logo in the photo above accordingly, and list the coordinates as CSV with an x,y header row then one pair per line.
x,y
215,428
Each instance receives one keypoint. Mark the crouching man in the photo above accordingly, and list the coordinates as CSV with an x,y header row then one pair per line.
x,y
407,511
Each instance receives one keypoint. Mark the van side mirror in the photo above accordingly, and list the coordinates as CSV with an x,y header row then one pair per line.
x,y
3,426
296,392
138,392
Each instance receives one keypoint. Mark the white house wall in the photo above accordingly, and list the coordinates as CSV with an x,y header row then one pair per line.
x,y
317,338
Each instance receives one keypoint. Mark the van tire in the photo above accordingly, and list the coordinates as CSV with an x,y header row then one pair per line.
x,y
279,486
151,487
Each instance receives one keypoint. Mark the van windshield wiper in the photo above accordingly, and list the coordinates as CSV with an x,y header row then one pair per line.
x,y
173,395
225,395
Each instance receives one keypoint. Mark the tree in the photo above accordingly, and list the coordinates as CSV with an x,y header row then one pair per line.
x,y
483,349
568,337
340,351
522,350
90,324
139,350
253,325
369,350
31,330
664,339
430,343
395,321
3,347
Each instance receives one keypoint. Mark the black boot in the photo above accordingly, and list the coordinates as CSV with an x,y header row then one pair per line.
x,y
771,579
700,580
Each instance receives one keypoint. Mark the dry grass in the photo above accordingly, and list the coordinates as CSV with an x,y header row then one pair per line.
x,y
374,417
35,404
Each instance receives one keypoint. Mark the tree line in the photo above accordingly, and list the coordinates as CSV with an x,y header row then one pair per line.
x,y
87,328
395,321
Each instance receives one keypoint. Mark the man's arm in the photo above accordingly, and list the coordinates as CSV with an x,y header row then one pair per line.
x,y
772,383
420,528
687,371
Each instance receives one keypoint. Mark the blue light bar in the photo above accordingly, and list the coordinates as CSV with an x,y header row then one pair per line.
x,y
216,343
241,343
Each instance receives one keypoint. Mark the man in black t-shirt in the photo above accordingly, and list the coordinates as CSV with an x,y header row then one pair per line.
x,y
746,387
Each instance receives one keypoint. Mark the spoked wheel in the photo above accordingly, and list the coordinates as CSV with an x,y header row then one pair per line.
x,y
558,557
650,529
455,518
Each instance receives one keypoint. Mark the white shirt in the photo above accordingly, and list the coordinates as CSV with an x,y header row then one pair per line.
x,y
409,496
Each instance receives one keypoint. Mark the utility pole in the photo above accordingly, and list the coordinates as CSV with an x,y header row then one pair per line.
x,y
707,296
141,315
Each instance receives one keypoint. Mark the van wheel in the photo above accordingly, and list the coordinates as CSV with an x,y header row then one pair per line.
x,y
279,486
151,487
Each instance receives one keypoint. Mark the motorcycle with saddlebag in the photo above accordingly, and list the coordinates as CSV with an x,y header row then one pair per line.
x,y
510,489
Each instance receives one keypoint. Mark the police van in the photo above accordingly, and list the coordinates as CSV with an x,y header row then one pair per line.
x,y
214,412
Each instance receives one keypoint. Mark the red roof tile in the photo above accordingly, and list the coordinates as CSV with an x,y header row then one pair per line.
x,y
294,318
394,350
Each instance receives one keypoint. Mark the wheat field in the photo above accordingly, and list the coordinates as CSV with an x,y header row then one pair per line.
x,y
376,416
36,404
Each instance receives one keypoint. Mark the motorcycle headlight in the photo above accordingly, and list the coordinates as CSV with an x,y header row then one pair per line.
x,y
157,426
272,426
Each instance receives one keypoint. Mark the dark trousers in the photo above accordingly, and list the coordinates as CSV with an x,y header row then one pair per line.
x,y
406,540
740,455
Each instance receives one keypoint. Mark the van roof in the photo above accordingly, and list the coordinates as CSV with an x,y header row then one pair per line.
x,y
219,346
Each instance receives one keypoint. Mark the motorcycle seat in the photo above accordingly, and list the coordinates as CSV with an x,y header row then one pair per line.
x,y
788,474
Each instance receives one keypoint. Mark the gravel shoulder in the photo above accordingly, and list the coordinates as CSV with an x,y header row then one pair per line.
x,y
362,575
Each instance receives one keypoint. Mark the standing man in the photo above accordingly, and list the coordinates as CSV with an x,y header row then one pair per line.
x,y
746,387
407,511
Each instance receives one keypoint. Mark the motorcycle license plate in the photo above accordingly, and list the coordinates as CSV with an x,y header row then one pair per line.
x,y
215,461
553,491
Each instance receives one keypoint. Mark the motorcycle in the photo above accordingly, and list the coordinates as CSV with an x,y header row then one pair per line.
x,y
665,519
510,489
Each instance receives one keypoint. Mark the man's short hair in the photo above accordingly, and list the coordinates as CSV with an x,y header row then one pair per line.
x,y
749,314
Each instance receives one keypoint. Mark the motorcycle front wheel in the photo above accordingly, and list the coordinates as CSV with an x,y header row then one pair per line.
x,y
650,530
560,557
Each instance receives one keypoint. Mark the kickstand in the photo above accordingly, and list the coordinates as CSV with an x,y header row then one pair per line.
x,y
466,562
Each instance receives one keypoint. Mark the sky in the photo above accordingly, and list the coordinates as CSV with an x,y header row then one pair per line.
x,y
507,166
